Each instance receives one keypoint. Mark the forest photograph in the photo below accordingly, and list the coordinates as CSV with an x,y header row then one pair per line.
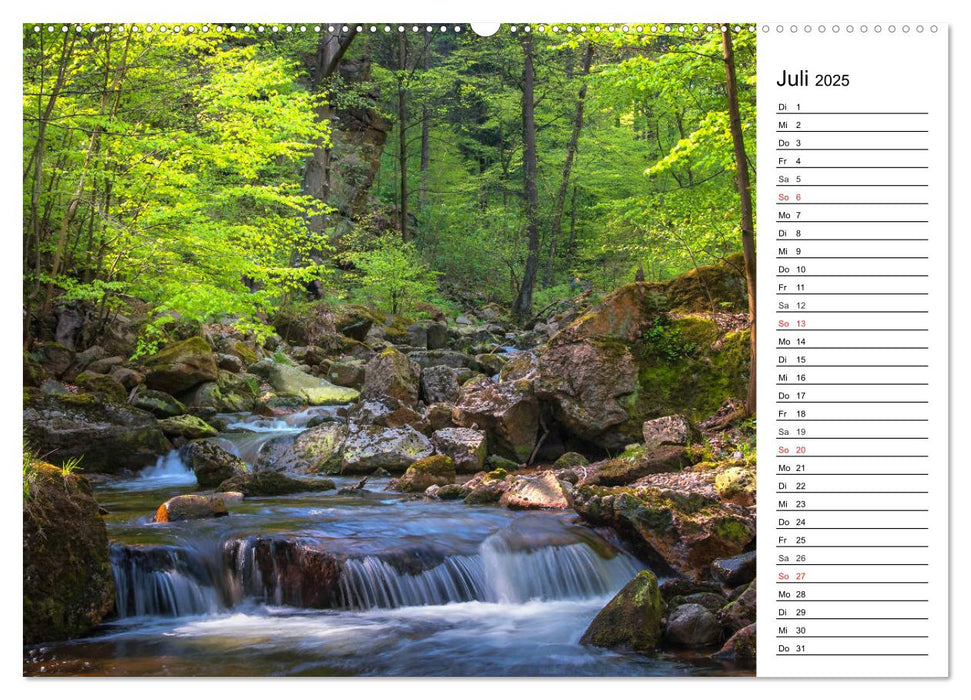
x,y
388,350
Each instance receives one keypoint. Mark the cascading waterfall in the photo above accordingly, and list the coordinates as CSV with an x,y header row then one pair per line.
x,y
371,582
168,470
161,581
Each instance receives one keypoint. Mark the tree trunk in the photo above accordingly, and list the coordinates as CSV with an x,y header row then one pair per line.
x,y
425,132
571,150
402,138
523,305
745,195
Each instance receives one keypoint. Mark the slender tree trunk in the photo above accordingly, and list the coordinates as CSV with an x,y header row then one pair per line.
x,y
571,150
745,195
425,133
523,305
402,138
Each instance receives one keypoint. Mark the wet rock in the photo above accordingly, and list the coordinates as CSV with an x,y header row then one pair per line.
x,y
740,612
465,446
485,488
737,485
285,572
437,470
740,649
180,366
290,381
190,507
507,411
669,430
158,403
712,602
452,492
391,374
273,484
372,447
587,384
680,529
68,587
439,385
734,571
315,451
108,437
673,588
693,626
212,464
631,620
534,492
186,426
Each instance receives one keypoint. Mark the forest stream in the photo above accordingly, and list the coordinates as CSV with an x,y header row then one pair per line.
x,y
424,587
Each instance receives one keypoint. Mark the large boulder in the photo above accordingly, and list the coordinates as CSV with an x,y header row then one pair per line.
x,y
735,571
507,411
391,374
158,403
692,625
316,450
737,485
632,619
740,612
637,463
465,446
180,366
437,470
191,507
68,583
677,526
375,447
108,437
740,649
290,381
587,383
96,383
272,484
534,492
211,463
439,384
348,371
624,314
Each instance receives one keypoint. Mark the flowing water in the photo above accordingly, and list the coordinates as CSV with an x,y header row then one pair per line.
x,y
347,583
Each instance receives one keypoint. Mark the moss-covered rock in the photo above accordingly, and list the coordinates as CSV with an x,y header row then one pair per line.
x,y
158,403
722,284
180,366
570,460
537,492
376,447
290,381
316,450
186,426
632,619
465,446
391,374
737,485
437,470
273,484
102,384
108,436
740,649
68,584
681,529
211,463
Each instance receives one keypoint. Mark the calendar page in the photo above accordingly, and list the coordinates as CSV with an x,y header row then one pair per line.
x,y
476,350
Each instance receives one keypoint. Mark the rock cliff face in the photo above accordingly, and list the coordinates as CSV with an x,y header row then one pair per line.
x,y
68,585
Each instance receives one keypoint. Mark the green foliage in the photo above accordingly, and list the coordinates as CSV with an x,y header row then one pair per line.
x,y
665,340
393,276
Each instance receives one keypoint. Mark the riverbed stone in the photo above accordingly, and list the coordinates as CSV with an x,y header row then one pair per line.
x,y
631,620
507,411
211,463
316,450
109,437
190,507
537,492
439,384
290,381
437,470
372,447
692,625
180,366
68,586
740,649
268,483
102,384
465,446
736,570
186,426
158,403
